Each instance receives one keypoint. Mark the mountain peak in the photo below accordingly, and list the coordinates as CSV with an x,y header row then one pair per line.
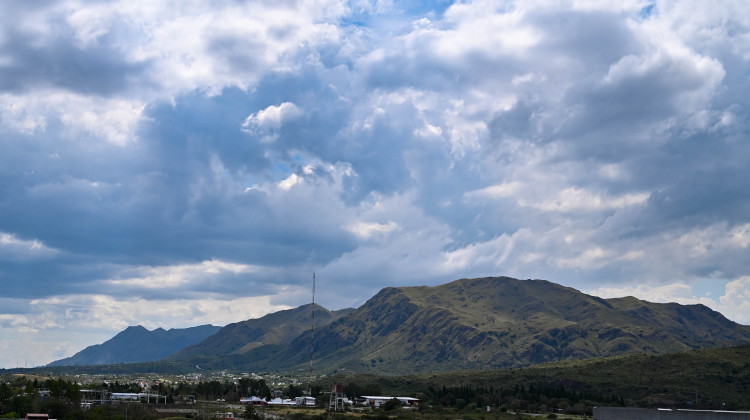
x,y
136,328
137,344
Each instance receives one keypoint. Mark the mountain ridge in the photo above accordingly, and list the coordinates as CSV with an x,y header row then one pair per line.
x,y
500,322
138,344
481,323
277,328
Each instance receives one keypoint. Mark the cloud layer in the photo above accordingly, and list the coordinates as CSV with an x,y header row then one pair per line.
x,y
178,163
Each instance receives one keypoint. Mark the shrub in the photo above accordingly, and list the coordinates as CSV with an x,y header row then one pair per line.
x,y
392,404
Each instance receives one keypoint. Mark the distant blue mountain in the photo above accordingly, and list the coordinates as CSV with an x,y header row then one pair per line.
x,y
137,344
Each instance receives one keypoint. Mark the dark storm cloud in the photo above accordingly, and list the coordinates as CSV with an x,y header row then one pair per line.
x,y
61,65
173,204
590,40
37,61
161,201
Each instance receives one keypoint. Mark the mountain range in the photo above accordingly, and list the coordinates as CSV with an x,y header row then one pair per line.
x,y
137,344
493,322
500,322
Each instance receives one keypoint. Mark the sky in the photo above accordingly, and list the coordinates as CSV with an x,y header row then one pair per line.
x,y
178,163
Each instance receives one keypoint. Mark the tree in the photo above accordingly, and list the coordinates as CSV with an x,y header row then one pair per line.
x,y
294,391
249,387
249,412
391,404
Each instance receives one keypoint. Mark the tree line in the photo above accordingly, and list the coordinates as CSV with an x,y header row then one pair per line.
x,y
20,396
62,398
531,398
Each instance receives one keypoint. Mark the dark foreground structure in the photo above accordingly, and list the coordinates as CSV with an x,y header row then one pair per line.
x,y
626,413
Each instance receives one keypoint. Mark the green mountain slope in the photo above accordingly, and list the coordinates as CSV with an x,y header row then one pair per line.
x,y
278,328
502,322
704,379
137,344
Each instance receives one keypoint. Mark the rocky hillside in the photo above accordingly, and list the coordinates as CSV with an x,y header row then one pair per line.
x,y
501,322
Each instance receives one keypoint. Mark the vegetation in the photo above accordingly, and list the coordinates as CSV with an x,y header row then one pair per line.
x,y
700,379
21,396
61,398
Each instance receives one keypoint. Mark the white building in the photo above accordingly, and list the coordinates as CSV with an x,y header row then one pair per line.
x,y
377,401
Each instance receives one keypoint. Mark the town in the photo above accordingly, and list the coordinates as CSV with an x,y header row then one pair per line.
x,y
215,395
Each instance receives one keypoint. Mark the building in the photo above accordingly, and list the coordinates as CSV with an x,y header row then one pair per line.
x,y
377,401
305,401
252,401
283,402
132,396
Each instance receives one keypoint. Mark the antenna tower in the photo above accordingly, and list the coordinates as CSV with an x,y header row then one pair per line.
x,y
312,334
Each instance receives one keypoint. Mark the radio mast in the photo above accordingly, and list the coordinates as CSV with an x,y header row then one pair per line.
x,y
312,334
